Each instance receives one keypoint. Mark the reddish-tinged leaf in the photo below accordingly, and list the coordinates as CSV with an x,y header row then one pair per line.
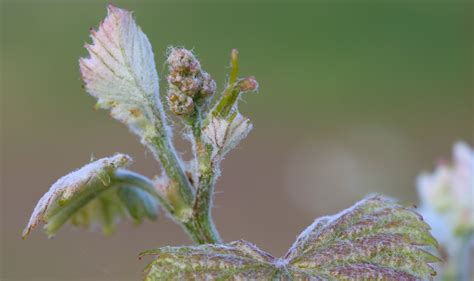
x,y
376,239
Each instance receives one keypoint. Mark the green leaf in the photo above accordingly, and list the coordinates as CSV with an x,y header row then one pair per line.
x,y
106,209
139,203
239,260
376,239
98,193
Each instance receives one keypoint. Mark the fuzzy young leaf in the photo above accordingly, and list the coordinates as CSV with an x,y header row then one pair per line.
x,y
238,260
121,73
375,239
223,135
95,194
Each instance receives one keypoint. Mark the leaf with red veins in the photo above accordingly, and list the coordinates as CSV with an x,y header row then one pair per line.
x,y
376,233
120,72
376,239
225,134
239,260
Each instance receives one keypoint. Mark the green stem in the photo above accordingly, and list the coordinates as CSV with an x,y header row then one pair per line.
x,y
203,201
200,229
172,166
181,199
206,171
164,151
202,218
198,223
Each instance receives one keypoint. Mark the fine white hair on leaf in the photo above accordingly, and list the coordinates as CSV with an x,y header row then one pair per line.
x,y
376,239
73,183
120,72
225,134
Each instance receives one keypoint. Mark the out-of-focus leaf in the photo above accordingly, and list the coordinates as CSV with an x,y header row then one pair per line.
x,y
93,195
376,239
121,73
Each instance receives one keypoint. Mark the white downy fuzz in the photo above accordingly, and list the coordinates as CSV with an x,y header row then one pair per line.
x,y
224,134
447,195
121,73
75,182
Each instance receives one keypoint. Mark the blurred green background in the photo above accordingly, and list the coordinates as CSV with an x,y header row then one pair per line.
x,y
355,97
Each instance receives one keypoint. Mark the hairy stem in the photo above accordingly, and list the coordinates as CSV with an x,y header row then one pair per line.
x,y
173,168
164,151
180,206
200,229
206,170
206,181
193,210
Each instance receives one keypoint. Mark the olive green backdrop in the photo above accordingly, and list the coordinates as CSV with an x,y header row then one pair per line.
x,y
355,97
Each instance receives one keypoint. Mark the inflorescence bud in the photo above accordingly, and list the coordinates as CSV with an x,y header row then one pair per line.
x,y
180,103
188,83
182,60
208,85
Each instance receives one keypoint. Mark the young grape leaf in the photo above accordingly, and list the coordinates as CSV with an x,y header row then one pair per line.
x,y
376,239
239,260
225,134
99,192
120,72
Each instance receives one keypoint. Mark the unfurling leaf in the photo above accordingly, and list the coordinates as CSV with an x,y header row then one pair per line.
x,y
138,202
223,135
99,192
121,74
376,239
